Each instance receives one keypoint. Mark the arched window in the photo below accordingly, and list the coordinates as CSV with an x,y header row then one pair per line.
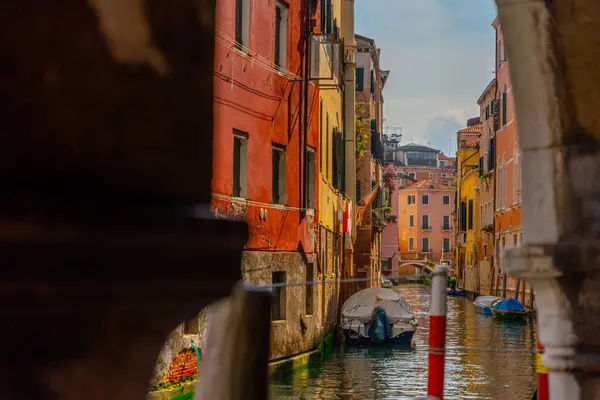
x,y
498,183
515,183
504,180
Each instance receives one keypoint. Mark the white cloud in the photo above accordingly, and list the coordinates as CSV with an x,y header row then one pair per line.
x,y
440,57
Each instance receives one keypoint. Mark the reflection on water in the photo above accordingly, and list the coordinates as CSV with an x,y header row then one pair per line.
x,y
473,373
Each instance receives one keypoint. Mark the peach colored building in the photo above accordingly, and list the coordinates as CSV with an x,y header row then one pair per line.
x,y
425,224
507,213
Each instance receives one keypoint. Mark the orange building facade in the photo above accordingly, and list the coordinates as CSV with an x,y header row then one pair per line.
x,y
507,208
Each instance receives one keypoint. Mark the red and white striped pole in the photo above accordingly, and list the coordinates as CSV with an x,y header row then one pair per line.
x,y
437,333
543,392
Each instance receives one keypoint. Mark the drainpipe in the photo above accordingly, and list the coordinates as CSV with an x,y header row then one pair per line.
x,y
350,110
307,32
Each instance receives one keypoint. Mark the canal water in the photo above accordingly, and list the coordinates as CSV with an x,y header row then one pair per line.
x,y
485,359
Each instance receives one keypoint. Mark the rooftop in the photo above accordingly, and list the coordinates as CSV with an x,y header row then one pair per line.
x,y
471,129
417,147
428,184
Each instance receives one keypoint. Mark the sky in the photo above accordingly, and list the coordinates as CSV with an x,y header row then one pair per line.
x,y
441,57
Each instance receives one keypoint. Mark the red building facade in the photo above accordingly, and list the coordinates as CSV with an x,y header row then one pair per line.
x,y
259,148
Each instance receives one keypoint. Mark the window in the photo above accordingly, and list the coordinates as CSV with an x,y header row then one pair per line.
x,y
358,198
463,216
504,107
372,81
411,244
360,79
411,221
281,36
279,302
411,199
515,242
190,326
425,245
442,163
424,199
326,145
445,199
326,16
337,159
470,214
240,164
498,185
412,175
311,160
444,175
503,181
499,53
310,277
446,222
515,173
425,222
446,245
481,216
278,171
242,23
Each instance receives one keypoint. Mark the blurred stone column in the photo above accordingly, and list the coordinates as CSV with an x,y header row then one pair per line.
x,y
105,159
554,48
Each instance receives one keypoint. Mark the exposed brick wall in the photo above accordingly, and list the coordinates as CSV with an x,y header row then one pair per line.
x,y
182,368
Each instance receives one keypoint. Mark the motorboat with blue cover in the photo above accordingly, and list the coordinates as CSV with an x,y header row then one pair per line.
x,y
378,316
508,309
482,304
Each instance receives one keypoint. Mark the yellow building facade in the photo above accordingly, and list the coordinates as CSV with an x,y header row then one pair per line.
x,y
467,209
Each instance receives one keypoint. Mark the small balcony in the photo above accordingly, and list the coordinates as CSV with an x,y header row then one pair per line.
x,y
379,223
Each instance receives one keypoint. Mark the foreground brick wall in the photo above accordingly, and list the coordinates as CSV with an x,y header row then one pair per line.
x,y
182,368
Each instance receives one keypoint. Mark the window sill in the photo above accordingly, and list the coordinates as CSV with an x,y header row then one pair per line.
x,y
278,206
279,321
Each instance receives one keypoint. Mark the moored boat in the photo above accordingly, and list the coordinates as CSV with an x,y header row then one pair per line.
x,y
378,316
454,292
482,304
508,309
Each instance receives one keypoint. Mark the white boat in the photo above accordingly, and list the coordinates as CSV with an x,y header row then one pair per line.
x,y
378,315
482,304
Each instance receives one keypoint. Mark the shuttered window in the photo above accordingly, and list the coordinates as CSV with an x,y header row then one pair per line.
x,y
278,174
360,79
470,214
504,108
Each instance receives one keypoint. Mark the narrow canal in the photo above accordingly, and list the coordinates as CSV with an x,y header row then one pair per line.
x,y
485,359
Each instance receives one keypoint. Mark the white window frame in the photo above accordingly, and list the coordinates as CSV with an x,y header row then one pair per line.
x,y
503,180
245,23
443,197
411,244
281,196
283,41
428,245
411,217
515,173
449,245
449,223
428,222
423,196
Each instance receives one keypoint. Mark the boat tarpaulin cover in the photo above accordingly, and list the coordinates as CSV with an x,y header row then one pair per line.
x,y
485,301
380,329
509,304
361,304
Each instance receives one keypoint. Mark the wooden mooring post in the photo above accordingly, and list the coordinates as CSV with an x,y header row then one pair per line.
x,y
235,365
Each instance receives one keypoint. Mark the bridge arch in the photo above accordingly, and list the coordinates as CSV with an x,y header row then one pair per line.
x,y
416,269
